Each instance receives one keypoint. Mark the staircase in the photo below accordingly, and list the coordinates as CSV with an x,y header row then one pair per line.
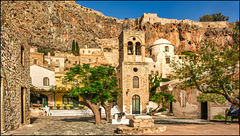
x,y
81,112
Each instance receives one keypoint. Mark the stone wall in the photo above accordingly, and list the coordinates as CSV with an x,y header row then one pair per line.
x,y
15,78
153,18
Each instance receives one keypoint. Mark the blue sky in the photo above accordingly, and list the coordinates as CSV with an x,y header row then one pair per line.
x,y
165,9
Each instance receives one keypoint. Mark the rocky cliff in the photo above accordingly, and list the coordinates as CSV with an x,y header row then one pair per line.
x,y
54,24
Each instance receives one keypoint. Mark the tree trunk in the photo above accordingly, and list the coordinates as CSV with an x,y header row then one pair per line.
x,y
97,115
155,111
107,110
95,109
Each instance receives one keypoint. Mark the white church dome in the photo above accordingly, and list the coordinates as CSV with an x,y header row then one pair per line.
x,y
161,41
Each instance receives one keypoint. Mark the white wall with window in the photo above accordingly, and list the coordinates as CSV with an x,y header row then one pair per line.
x,y
42,78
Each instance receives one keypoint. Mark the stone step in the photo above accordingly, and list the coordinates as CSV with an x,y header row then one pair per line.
x,y
81,112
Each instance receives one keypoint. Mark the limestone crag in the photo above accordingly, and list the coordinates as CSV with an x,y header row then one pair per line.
x,y
54,24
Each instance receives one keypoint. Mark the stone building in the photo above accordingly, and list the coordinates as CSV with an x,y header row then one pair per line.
x,y
132,73
71,60
43,81
15,78
36,58
134,69
57,63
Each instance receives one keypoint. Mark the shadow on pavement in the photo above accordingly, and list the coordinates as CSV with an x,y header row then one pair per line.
x,y
33,119
177,122
223,121
80,119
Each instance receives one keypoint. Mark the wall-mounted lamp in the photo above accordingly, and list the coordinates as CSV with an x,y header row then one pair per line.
x,y
127,91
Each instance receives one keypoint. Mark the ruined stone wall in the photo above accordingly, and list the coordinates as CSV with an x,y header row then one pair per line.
x,y
15,78
153,18
186,105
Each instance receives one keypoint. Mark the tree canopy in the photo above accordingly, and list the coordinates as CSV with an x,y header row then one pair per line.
x,y
214,71
97,84
213,17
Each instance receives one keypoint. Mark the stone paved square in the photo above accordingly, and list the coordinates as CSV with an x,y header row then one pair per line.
x,y
79,125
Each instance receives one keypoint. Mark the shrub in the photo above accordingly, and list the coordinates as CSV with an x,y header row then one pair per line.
x,y
219,116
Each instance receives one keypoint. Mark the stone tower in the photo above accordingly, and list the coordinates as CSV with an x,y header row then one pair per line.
x,y
132,73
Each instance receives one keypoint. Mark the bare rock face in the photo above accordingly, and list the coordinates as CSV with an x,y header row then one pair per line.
x,y
54,24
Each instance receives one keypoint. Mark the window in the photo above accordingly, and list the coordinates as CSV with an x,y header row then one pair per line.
x,y
156,72
35,61
45,81
64,81
167,60
135,82
57,60
89,51
69,62
135,69
150,51
67,100
75,62
138,48
22,55
89,60
130,48
166,49
83,51
180,57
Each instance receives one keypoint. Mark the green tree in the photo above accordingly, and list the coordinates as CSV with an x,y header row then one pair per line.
x,y
73,46
77,49
213,71
213,17
161,98
96,85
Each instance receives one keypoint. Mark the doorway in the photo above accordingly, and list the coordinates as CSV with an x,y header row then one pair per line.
x,y
204,110
22,105
75,104
135,104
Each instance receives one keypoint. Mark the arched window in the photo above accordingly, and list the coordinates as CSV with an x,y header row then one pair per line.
x,y
138,48
136,104
130,48
135,82
45,81
166,49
